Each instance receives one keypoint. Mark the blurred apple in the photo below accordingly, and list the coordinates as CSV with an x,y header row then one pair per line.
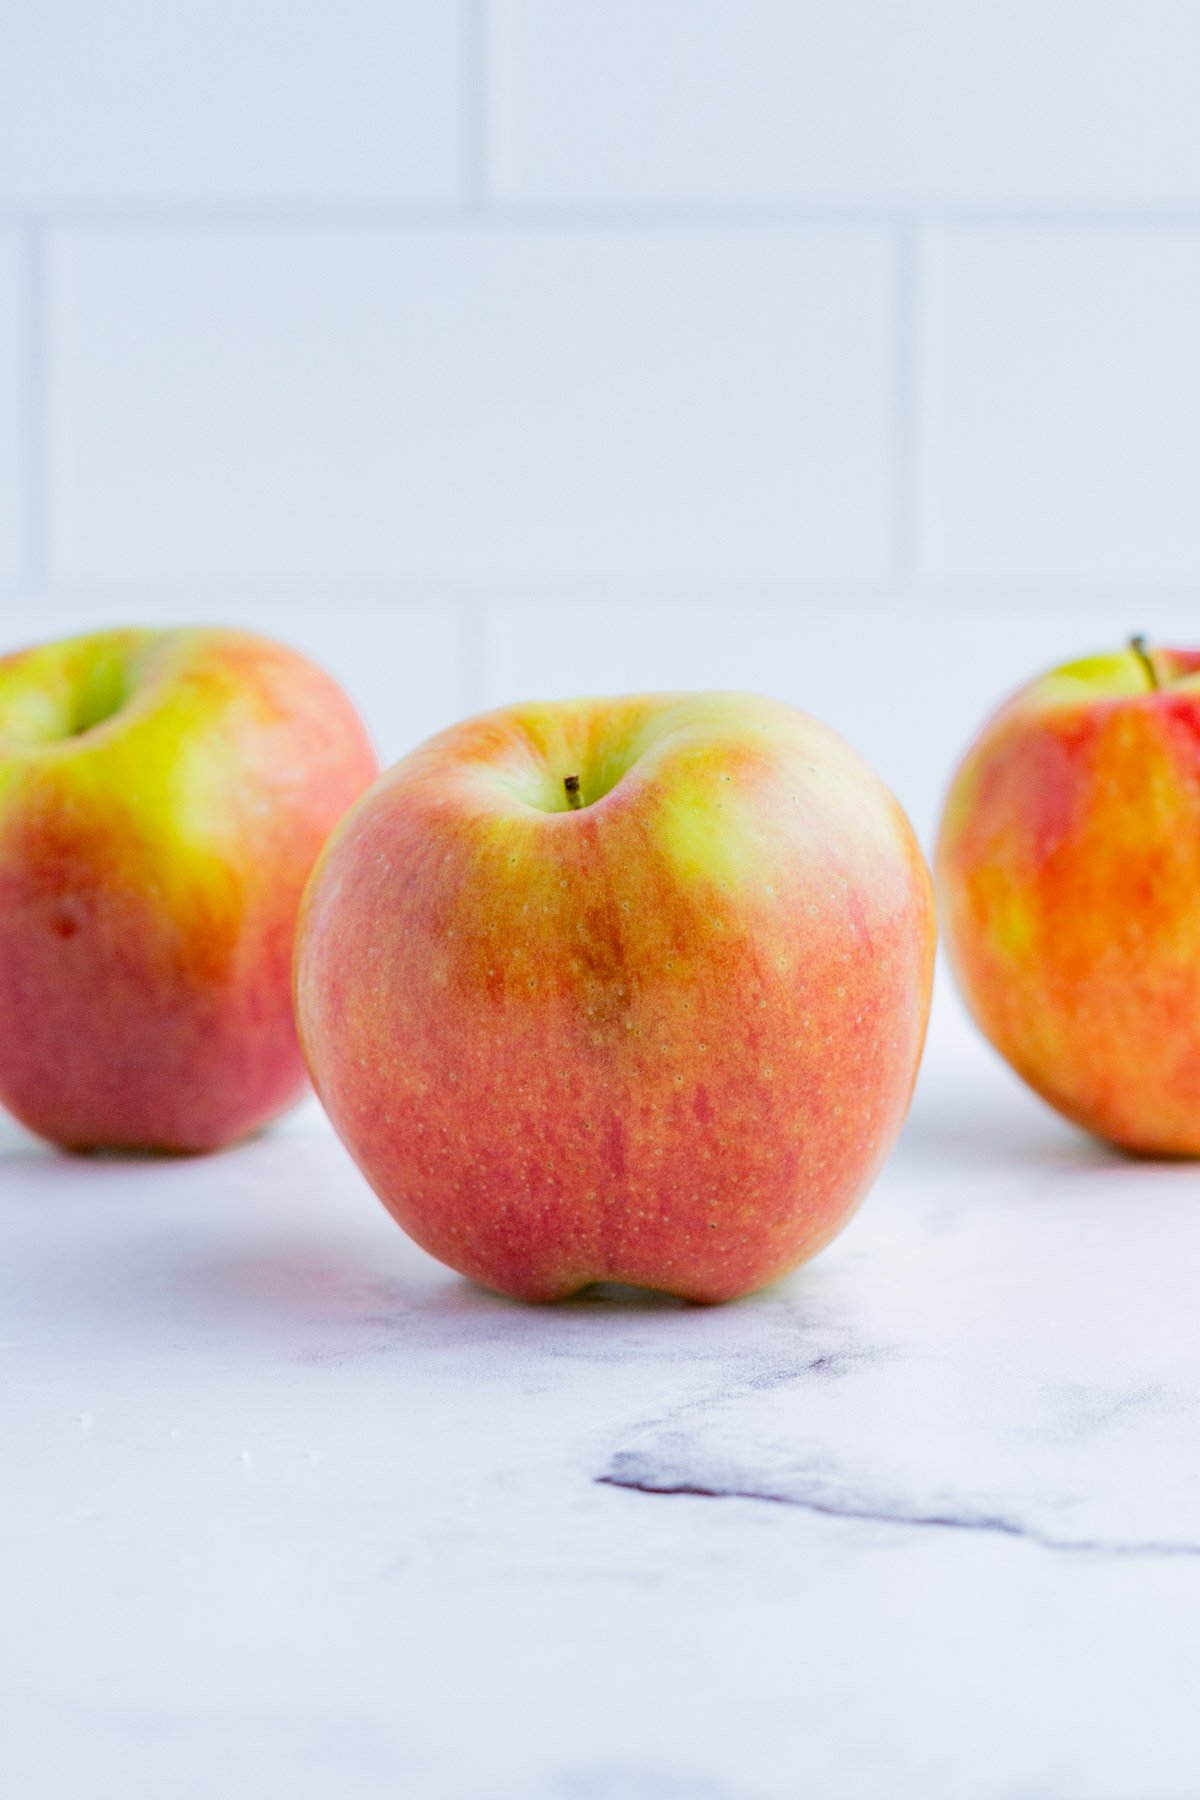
x,y
163,796
1069,880
628,990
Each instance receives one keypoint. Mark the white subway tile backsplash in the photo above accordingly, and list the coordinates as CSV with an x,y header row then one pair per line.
x,y
233,102
438,301
14,326
459,404
1060,405
1089,102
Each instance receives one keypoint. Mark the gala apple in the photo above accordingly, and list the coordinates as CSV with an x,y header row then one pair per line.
x,y
1069,881
627,990
163,797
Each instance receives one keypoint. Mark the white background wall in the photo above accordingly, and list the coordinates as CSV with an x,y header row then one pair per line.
x,y
846,351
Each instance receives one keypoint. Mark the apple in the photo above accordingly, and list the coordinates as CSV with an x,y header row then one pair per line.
x,y
1069,879
163,797
622,990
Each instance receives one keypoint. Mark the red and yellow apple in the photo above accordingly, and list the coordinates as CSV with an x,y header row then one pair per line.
x,y
163,797
1069,881
627,990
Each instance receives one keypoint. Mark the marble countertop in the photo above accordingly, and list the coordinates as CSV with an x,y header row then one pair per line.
x,y
291,1510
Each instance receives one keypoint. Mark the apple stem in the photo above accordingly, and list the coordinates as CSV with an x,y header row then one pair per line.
x,y
1141,651
574,797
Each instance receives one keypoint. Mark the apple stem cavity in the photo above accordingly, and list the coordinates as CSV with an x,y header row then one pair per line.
x,y
574,797
1141,650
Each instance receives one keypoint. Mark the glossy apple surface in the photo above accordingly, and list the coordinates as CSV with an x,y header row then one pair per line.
x,y
662,1030
163,797
1069,881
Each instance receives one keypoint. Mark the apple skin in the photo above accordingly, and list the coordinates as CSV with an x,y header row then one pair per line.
x,y
163,797
666,1039
1068,869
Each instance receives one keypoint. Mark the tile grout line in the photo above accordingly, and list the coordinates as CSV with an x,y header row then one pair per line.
x,y
517,215
906,471
476,110
930,328
472,616
34,423
475,205
403,591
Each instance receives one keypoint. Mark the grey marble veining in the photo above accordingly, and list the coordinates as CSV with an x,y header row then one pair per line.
x,y
1030,1366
